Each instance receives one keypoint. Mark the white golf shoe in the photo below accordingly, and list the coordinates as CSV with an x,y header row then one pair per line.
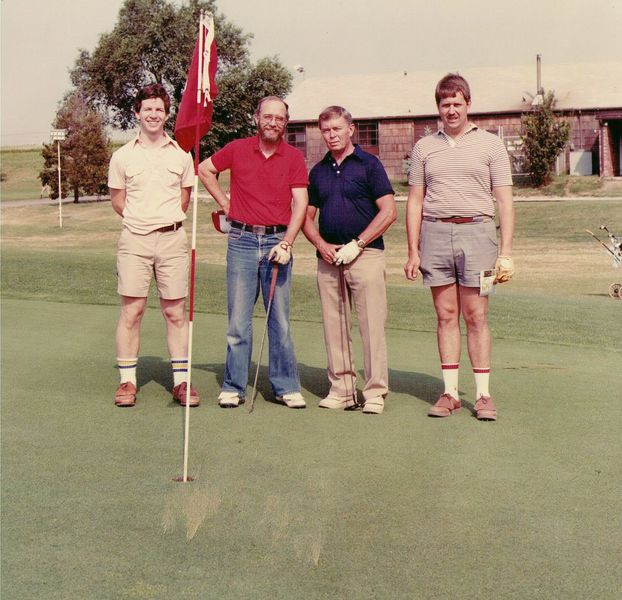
x,y
336,403
374,406
292,400
230,399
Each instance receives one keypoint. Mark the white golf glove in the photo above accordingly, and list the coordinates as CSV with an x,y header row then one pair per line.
x,y
346,254
504,268
281,253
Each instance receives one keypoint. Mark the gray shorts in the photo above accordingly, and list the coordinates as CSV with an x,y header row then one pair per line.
x,y
452,252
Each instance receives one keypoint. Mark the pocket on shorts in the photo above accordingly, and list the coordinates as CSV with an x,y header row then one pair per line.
x,y
491,233
422,237
122,245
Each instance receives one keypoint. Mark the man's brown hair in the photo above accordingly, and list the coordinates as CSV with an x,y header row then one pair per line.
x,y
450,85
155,90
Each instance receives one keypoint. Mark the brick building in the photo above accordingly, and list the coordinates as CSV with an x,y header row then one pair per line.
x,y
392,111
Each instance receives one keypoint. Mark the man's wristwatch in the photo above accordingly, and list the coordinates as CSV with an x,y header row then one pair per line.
x,y
360,242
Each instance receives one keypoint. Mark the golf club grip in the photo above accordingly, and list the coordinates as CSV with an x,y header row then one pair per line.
x,y
275,274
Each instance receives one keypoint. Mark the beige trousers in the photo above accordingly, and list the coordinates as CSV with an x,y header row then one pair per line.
x,y
362,285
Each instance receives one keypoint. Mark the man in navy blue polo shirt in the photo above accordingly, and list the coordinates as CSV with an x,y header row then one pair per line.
x,y
354,197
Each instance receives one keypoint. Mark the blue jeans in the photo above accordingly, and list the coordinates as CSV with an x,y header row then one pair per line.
x,y
248,271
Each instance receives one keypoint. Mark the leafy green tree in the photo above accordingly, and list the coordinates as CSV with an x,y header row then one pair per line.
x,y
85,153
544,136
153,41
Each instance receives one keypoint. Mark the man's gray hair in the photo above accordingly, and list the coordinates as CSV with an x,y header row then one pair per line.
x,y
267,99
334,112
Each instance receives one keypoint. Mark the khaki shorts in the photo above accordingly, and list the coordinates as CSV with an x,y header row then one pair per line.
x,y
452,252
141,256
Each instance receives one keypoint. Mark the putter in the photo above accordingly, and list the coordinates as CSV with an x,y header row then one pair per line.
x,y
275,272
344,299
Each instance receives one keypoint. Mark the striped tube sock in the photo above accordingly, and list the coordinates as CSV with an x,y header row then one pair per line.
x,y
127,369
180,370
482,376
450,378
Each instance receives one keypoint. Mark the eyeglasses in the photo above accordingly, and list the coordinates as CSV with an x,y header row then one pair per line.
x,y
276,118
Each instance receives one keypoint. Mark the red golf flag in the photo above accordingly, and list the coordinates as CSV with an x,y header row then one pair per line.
x,y
194,116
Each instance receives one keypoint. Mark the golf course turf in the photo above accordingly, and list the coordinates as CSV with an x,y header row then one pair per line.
x,y
302,504
310,504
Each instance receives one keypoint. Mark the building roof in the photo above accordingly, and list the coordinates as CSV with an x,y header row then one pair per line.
x,y
493,90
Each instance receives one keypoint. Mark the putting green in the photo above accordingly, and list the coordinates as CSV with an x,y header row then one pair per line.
x,y
302,504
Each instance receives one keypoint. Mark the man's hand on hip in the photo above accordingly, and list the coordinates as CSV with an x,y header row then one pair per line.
x,y
281,253
346,254
504,268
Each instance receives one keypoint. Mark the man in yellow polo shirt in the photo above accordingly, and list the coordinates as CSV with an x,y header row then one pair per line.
x,y
150,180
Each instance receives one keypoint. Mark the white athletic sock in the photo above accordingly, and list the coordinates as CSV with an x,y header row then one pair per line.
x,y
450,378
127,369
180,370
482,377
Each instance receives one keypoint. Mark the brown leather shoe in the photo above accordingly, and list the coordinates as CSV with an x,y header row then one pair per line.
x,y
125,394
485,409
444,406
179,394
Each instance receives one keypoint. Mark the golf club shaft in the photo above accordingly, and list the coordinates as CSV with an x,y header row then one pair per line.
x,y
345,304
602,244
275,272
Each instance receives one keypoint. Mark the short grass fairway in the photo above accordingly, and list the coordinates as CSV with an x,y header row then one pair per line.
x,y
311,504
302,504
20,167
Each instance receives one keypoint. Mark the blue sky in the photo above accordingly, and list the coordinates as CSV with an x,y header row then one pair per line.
x,y
40,41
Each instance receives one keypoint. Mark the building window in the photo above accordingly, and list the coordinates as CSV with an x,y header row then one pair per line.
x,y
366,135
297,137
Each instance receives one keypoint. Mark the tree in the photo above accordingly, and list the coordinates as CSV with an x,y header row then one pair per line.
x,y
544,136
85,153
153,41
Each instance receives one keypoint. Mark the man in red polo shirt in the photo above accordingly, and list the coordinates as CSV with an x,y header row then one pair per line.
x,y
266,209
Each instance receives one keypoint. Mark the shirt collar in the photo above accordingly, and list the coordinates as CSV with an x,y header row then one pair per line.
x,y
358,154
169,140
257,148
452,141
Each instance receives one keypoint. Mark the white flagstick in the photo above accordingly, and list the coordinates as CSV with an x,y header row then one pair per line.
x,y
190,322
195,196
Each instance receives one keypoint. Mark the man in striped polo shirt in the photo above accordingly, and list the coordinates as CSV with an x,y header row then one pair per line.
x,y
455,177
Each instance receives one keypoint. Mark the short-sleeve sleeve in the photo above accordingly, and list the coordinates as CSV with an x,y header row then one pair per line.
x,y
116,173
314,197
379,181
416,170
187,177
298,171
500,168
222,159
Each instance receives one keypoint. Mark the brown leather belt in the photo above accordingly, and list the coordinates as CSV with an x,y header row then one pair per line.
x,y
458,220
259,229
173,227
